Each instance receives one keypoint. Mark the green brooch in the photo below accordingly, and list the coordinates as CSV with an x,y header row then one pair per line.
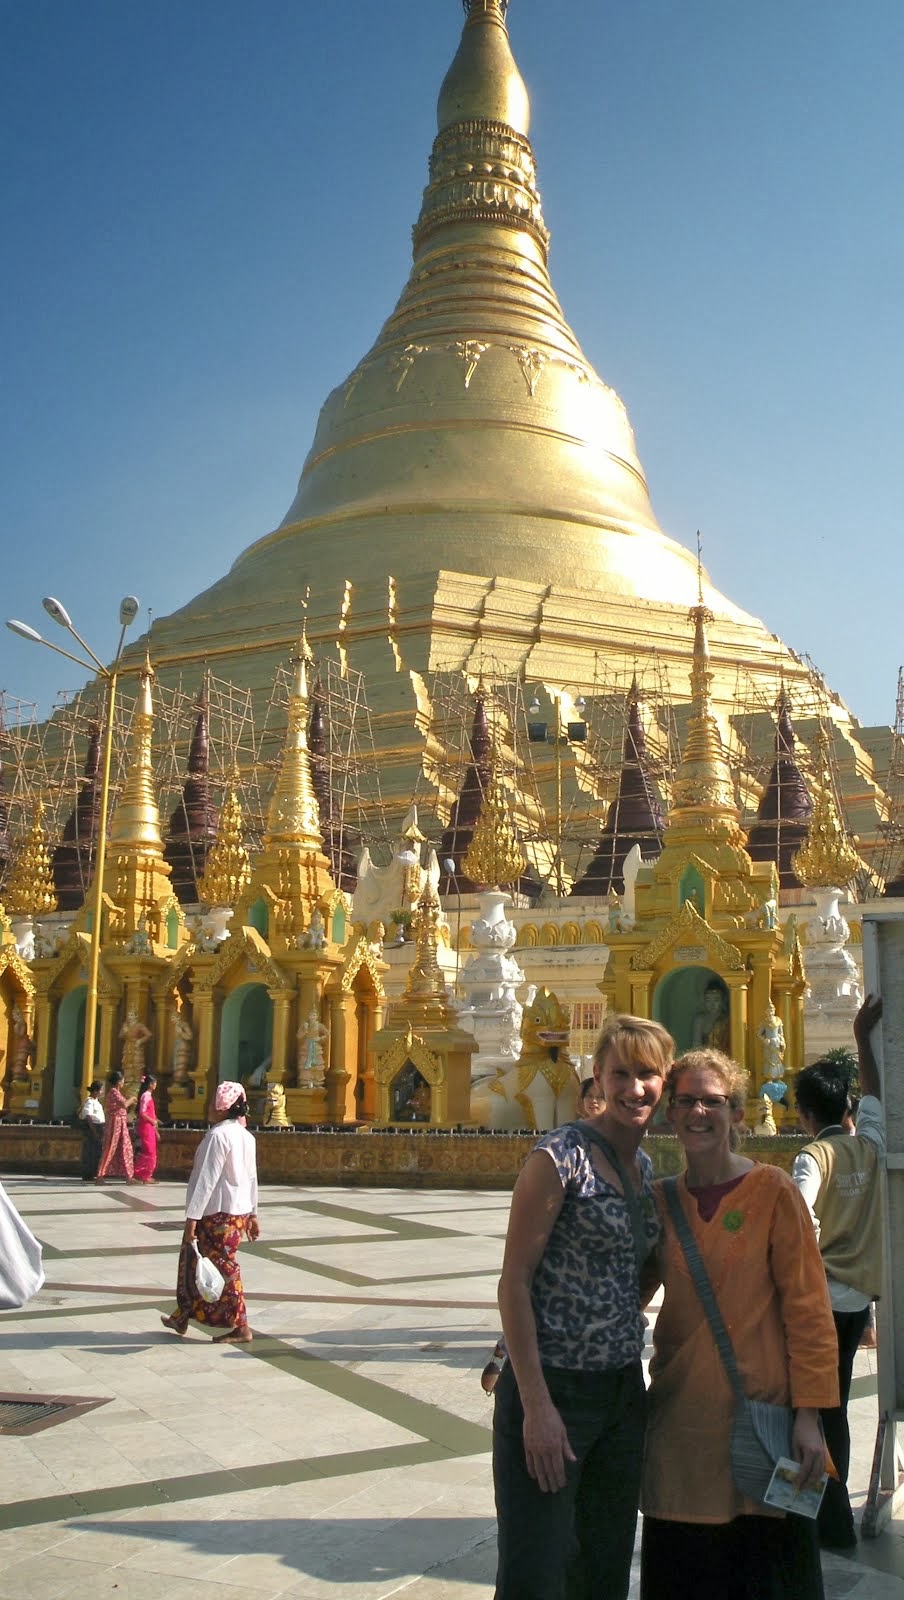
x,y
733,1220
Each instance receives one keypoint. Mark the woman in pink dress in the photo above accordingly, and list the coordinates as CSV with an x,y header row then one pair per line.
x,y
116,1161
146,1131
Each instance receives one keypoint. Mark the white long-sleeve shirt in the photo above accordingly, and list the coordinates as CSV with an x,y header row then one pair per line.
x,y
224,1174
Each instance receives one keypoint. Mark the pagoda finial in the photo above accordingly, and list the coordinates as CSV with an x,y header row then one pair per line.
x,y
193,824
136,820
228,870
483,83
827,859
293,817
703,789
425,978
494,856
29,887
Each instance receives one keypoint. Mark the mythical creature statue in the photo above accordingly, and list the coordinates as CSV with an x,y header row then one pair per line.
x,y
540,1090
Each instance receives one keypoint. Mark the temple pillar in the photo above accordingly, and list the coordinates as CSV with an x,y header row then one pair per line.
x,y
162,1043
107,1055
343,1050
363,1103
282,1065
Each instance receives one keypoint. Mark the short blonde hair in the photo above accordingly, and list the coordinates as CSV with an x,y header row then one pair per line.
x,y
636,1041
735,1081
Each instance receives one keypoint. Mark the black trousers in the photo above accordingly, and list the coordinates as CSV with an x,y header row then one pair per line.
x,y
92,1145
575,1544
751,1558
836,1519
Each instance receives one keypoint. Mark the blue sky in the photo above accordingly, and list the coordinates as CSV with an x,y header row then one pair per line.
x,y
206,218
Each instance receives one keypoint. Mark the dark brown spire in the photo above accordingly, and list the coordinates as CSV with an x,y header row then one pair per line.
x,y
466,810
785,808
337,841
73,858
634,815
193,824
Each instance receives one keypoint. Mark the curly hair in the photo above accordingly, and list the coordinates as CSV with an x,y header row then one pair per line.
x,y
638,1041
734,1079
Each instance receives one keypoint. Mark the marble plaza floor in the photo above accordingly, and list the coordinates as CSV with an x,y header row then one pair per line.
x,y
342,1455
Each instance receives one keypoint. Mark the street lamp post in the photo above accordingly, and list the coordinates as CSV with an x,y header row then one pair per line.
x,y
128,611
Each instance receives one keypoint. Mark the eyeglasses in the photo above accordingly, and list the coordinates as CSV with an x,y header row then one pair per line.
x,y
709,1102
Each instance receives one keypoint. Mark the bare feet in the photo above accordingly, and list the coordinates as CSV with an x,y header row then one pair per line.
x,y
176,1326
234,1336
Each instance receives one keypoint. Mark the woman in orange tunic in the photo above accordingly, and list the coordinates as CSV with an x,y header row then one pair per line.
x,y
702,1539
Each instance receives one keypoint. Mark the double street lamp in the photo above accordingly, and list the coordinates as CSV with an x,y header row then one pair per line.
x,y
128,611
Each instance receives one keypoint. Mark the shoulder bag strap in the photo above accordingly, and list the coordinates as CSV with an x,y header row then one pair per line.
x,y
642,1243
702,1284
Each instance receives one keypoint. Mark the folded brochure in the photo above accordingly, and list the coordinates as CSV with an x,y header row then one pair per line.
x,y
785,1493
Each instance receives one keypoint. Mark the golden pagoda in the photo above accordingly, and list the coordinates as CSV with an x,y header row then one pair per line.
x,y
473,490
422,1058
29,888
827,859
700,949
227,871
141,905
494,857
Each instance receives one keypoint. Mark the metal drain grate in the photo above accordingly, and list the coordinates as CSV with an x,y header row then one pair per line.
x,y
30,1413
15,1414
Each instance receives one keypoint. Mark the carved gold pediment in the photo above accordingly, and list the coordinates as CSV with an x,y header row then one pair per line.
x,y
689,927
246,947
11,962
76,951
408,1047
360,955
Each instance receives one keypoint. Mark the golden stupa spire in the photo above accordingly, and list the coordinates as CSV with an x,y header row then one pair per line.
x,y
293,817
228,870
425,978
703,791
494,857
136,820
29,887
827,858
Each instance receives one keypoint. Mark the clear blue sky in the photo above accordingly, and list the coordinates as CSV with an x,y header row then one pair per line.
x,y
206,218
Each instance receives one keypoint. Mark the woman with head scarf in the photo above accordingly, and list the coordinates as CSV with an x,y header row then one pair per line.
x,y
220,1210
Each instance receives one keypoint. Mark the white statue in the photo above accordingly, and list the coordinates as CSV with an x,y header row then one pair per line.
x,y
397,887
771,1035
314,936
311,1065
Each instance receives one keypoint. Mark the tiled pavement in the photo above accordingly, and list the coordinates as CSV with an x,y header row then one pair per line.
x,y
343,1454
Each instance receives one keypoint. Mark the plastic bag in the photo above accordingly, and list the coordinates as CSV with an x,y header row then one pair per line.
x,y
208,1278
21,1271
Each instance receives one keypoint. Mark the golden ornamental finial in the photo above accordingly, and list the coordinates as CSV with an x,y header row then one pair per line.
x,y
494,857
425,979
136,820
228,869
699,569
29,887
703,786
293,816
827,858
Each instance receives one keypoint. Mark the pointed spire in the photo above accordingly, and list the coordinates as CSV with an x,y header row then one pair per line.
x,y
228,871
292,816
494,857
425,978
29,887
336,839
827,859
192,826
73,858
483,82
703,797
785,807
462,819
136,820
634,815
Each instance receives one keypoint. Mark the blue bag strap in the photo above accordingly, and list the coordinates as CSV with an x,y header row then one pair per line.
x,y
702,1284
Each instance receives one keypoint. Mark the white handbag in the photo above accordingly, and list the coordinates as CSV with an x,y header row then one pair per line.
x,y
21,1271
208,1278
